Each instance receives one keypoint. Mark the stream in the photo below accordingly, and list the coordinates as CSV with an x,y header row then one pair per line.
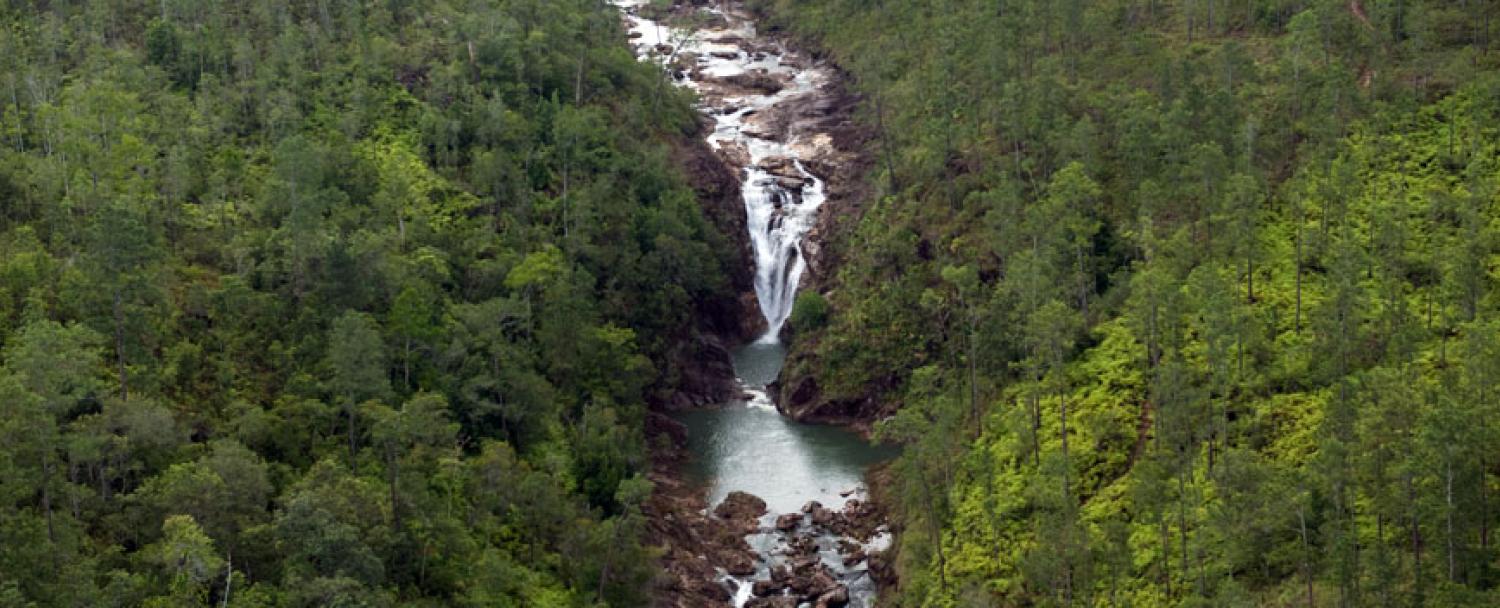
x,y
744,83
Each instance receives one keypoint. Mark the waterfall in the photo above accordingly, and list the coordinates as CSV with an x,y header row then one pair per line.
x,y
779,218
781,196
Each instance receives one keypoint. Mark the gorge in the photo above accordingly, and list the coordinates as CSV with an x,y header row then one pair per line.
x,y
770,475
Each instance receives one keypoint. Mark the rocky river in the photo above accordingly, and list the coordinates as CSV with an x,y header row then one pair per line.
x,y
764,511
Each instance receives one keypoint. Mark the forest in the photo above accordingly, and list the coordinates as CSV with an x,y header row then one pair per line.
x,y
1177,303
331,303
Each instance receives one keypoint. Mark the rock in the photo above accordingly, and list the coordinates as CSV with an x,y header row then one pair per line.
x,y
781,574
794,184
713,590
739,564
758,134
822,583
664,49
854,557
740,506
734,153
728,55
822,517
758,81
779,166
766,587
780,601
800,585
788,522
811,505
837,597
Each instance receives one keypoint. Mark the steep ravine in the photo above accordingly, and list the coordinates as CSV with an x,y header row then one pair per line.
x,y
752,507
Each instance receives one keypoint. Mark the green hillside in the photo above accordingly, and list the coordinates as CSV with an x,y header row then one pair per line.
x,y
329,303
1182,303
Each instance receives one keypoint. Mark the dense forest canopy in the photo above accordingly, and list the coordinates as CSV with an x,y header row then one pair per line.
x,y
1184,302
332,303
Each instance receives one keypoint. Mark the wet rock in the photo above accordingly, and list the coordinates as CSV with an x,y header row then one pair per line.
x,y
713,590
739,506
781,574
794,184
854,557
665,49
788,522
821,584
758,81
822,517
780,601
759,134
727,40
764,588
802,546
740,564
811,505
726,55
835,598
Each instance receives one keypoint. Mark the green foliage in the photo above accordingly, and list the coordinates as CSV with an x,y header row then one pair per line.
x,y
1179,299
334,303
809,312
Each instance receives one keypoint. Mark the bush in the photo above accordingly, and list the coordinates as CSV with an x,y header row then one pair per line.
x,y
809,312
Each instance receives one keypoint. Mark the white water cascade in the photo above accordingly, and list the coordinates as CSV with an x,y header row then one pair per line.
x,y
749,86
781,196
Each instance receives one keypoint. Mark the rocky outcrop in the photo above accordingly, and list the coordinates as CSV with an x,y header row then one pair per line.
x,y
804,578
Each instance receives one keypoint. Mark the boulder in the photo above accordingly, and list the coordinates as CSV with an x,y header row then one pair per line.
x,y
835,598
739,564
788,522
757,81
822,517
854,557
739,506
811,505
822,583
794,184
734,153
780,601
766,587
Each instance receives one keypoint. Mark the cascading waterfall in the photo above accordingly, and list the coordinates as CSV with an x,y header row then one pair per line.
x,y
776,236
740,80
781,196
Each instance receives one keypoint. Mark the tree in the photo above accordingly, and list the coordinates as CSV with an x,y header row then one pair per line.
x,y
356,358
187,559
51,368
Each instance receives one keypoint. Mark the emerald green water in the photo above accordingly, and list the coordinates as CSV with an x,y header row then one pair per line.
x,y
750,447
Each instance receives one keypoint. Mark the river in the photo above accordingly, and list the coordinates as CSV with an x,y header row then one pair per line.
x,y
742,80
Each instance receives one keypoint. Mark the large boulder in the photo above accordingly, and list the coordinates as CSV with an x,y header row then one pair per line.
x,y
740,506
788,522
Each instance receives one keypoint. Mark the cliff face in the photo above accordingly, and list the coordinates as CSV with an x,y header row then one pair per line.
x,y
700,371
